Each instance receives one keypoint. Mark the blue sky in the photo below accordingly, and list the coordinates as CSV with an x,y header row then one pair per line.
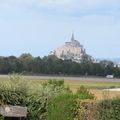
x,y
39,26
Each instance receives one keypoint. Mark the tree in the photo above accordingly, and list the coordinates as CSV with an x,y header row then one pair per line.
x,y
86,59
37,65
108,66
26,59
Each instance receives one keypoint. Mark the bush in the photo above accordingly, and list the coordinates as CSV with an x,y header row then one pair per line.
x,y
54,83
61,108
109,109
86,110
57,86
39,99
83,93
14,91
1,117
37,106
69,106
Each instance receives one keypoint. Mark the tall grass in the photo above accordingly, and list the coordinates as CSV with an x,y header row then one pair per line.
x,y
13,91
61,108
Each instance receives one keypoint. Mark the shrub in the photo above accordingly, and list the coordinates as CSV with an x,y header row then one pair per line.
x,y
1,117
37,106
13,91
39,99
83,93
61,108
54,83
57,86
67,107
109,109
86,110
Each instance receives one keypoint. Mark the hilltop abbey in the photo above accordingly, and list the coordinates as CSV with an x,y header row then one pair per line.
x,y
71,50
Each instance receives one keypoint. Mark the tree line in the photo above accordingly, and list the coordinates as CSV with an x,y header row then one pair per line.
x,y
50,64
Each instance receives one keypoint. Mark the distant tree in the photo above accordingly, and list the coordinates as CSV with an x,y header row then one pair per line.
x,y
106,63
108,66
4,65
52,65
37,65
15,64
87,64
26,59
98,70
86,59
116,71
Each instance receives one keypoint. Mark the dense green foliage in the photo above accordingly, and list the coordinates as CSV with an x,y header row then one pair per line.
x,y
66,106
61,107
83,93
109,109
39,99
26,63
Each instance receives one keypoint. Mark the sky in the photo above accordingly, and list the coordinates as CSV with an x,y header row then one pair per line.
x,y
40,26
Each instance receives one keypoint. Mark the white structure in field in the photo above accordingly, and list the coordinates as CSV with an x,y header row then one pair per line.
x,y
71,50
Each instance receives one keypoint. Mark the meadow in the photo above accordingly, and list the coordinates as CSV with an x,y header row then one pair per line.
x,y
95,85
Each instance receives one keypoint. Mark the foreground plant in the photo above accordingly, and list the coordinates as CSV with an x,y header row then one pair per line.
x,y
109,109
14,91
61,107
84,93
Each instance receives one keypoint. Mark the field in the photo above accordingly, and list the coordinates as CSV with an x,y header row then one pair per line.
x,y
95,85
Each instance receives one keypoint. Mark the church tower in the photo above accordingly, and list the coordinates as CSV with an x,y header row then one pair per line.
x,y
72,38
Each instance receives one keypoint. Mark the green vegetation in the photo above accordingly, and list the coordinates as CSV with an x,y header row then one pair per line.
x,y
28,64
15,89
38,100
1,117
86,110
67,106
94,84
83,93
109,109
48,100
61,107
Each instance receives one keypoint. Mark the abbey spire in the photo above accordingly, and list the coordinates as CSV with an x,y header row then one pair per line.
x,y
72,38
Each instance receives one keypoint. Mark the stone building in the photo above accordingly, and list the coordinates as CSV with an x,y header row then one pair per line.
x,y
71,50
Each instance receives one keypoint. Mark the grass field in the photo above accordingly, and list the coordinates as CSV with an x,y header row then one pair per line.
x,y
95,85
